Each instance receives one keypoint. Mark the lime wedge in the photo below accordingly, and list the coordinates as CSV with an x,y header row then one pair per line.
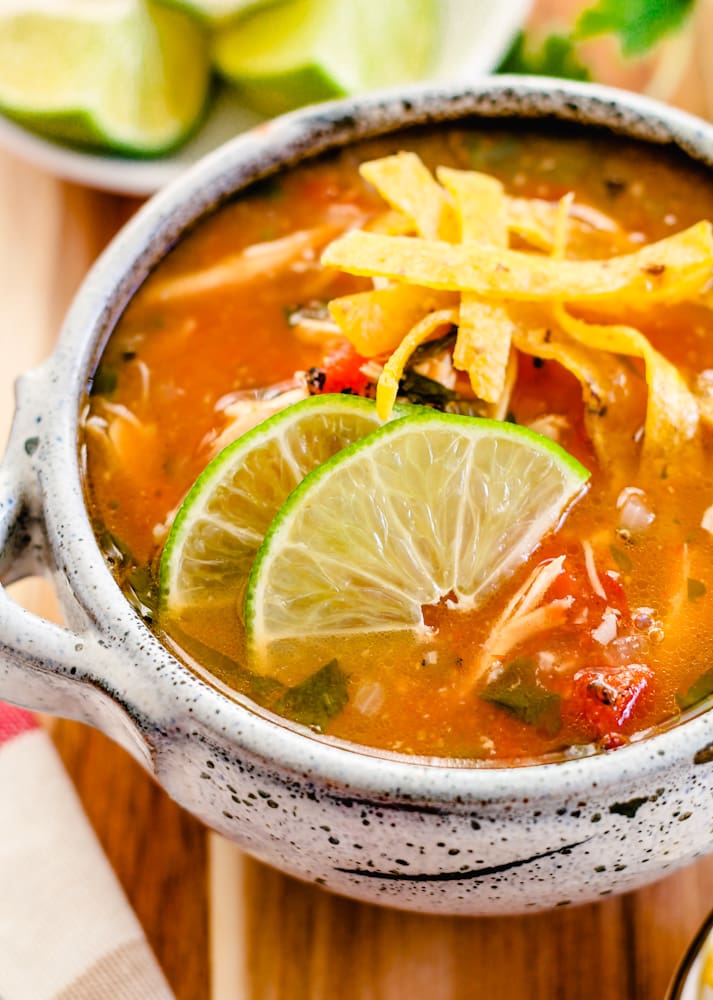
x,y
217,11
219,528
430,506
124,74
311,50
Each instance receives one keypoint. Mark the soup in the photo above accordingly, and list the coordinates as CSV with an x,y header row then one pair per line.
x,y
602,630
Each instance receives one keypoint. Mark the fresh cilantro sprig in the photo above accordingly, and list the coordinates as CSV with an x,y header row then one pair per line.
x,y
637,24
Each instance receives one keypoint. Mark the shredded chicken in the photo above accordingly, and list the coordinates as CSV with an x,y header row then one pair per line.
x,y
551,425
261,260
525,616
244,414
591,568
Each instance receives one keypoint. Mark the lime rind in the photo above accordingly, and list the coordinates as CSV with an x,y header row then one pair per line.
x,y
336,560
223,519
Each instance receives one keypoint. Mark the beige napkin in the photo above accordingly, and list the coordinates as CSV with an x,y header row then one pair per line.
x,y
67,931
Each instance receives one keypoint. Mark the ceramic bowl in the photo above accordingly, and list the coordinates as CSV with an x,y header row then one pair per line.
x,y
688,982
419,834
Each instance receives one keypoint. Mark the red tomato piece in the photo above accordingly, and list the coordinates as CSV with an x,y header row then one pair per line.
x,y
605,697
342,371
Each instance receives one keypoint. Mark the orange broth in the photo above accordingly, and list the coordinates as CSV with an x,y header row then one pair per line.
x,y
156,408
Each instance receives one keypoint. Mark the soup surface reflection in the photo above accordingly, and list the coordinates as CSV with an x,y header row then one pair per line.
x,y
240,307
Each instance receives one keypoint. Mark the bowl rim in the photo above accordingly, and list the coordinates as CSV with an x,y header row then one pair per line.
x,y
150,696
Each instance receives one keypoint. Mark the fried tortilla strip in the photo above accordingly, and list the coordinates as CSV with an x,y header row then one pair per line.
x,y
672,270
390,223
406,183
672,411
534,220
480,205
600,375
377,321
388,384
485,329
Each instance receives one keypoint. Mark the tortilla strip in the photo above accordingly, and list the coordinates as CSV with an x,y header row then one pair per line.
x,y
672,411
388,384
377,321
406,183
534,220
671,270
485,330
598,373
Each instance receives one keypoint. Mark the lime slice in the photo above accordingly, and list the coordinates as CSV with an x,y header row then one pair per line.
x,y
430,506
219,528
216,11
123,74
311,50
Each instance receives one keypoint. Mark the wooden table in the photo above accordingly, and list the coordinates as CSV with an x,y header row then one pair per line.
x,y
227,927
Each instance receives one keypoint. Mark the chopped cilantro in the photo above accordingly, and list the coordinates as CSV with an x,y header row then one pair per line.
x,y
317,700
700,689
520,693
426,391
696,589
621,559
105,381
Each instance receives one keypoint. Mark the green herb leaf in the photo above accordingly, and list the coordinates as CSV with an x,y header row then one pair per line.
x,y
639,24
432,348
621,559
105,381
696,589
317,700
555,56
425,391
520,693
700,689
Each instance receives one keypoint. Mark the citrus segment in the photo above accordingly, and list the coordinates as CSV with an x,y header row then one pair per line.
x,y
224,518
311,50
430,506
123,73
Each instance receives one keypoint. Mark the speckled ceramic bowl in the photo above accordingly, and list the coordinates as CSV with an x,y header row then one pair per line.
x,y
410,833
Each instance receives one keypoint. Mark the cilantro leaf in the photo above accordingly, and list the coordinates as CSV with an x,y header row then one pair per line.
x,y
520,693
697,692
555,56
316,700
639,24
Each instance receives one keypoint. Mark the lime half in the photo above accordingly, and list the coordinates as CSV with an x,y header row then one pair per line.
x,y
430,506
123,74
217,11
223,520
311,50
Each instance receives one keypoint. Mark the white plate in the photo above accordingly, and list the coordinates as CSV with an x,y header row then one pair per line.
x,y
476,36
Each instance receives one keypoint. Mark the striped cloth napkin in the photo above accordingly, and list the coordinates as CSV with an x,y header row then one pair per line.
x,y
67,931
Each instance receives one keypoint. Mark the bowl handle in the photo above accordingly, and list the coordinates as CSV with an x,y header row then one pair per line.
x,y
46,667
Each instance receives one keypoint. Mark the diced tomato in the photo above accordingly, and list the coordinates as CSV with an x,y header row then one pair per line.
x,y
604,697
340,372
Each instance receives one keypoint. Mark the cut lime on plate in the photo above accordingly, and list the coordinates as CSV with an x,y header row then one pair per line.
x,y
222,522
304,51
429,507
126,74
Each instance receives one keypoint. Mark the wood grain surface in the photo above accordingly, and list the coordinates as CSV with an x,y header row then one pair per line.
x,y
223,926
